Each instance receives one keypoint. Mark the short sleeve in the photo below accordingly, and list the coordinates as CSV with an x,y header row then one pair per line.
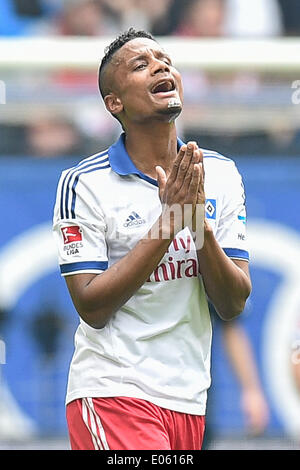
x,y
79,233
231,230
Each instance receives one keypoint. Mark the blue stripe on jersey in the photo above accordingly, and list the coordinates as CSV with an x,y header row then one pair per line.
x,y
147,178
216,155
83,164
236,253
86,164
71,171
98,167
82,265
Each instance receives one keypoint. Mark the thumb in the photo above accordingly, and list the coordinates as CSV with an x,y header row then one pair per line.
x,y
161,179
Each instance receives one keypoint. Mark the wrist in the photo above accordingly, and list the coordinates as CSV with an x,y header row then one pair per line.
x,y
208,241
162,230
207,227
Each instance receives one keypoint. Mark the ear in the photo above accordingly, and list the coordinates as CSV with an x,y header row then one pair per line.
x,y
113,103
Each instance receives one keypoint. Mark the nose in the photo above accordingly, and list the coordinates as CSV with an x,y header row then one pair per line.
x,y
160,66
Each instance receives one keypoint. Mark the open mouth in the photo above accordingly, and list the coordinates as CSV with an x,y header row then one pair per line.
x,y
164,86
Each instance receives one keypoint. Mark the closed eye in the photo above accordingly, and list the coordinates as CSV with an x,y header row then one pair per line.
x,y
140,66
168,61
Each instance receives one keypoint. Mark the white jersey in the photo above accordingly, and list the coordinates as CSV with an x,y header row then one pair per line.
x,y
157,346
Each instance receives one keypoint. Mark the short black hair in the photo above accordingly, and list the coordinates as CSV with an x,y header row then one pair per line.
x,y
119,42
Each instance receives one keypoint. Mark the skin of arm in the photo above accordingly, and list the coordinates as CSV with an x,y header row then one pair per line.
x,y
98,297
239,350
295,362
296,374
226,281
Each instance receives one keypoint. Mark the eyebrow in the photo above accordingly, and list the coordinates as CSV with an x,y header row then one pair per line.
x,y
136,58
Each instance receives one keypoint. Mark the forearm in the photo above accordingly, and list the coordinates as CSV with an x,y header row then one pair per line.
x,y
240,353
97,299
225,283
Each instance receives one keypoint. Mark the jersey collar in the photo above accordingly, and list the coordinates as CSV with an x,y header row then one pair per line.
x,y
122,164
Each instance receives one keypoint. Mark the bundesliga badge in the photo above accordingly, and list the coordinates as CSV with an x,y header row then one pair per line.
x,y
72,234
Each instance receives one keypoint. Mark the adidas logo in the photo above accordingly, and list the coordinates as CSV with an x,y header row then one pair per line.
x,y
133,220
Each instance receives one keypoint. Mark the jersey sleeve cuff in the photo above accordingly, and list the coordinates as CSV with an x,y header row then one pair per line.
x,y
90,266
237,253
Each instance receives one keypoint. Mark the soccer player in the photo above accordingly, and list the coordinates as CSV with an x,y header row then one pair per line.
x,y
141,366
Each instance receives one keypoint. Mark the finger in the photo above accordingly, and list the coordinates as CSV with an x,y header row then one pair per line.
x,y
161,179
202,161
192,192
194,184
189,172
200,155
190,150
186,162
187,180
176,164
199,159
196,156
201,192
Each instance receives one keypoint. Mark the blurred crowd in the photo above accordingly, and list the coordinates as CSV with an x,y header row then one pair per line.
x,y
162,17
81,132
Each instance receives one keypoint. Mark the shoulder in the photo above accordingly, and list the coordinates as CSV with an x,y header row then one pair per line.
x,y
81,183
218,165
84,175
88,165
85,172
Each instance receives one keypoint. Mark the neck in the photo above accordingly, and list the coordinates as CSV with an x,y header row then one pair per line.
x,y
149,146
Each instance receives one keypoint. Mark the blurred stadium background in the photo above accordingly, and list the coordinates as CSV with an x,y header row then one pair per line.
x,y
241,71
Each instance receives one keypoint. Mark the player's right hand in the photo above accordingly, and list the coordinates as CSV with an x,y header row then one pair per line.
x,y
179,192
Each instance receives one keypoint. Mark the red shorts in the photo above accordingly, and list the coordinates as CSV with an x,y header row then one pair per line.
x,y
122,423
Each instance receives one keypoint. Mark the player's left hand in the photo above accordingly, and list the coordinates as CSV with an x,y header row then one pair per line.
x,y
256,410
198,155
199,159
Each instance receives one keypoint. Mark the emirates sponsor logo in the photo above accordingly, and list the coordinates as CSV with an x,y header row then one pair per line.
x,y
175,265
